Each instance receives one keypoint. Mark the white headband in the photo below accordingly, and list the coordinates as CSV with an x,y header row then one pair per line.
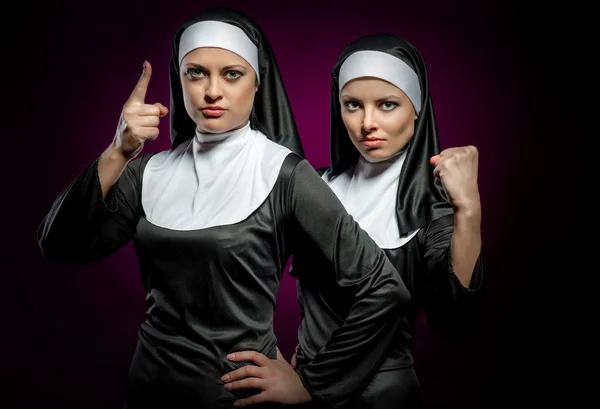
x,y
220,35
382,65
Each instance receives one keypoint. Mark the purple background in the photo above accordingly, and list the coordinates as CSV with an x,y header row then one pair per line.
x,y
68,333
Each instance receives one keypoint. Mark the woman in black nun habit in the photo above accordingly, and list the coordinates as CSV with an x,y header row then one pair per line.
x,y
420,205
214,220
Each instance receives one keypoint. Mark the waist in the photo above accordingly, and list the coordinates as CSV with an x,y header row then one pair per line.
x,y
203,349
158,380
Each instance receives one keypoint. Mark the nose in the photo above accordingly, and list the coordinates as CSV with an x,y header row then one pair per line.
x,y
213,90
369,123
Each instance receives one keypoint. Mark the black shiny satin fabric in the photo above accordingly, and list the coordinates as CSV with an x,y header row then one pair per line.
x,y
212,291
421,197
396,389
424,266
272,113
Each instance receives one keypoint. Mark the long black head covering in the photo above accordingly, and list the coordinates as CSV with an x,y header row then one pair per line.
x,y
421,197
271,114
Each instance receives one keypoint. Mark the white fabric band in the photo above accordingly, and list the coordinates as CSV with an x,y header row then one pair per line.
x,y
385,66
220,35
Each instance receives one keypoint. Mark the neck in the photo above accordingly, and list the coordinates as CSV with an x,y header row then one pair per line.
x,y
389,160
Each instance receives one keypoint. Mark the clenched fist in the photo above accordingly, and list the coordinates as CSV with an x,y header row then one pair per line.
x,y
457,169
139,121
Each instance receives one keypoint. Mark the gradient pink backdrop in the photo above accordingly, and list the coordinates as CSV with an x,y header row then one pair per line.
x,y
70,332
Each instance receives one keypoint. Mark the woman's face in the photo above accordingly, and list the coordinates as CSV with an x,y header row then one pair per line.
x,y
379,117
218,89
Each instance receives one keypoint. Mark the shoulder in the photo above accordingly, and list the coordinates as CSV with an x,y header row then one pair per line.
x,y
293,163
298,175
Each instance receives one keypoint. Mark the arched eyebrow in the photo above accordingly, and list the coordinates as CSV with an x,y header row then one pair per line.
x,y
234,66
226,68
391,96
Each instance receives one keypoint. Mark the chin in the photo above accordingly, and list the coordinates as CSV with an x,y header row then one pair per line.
x,y
215,125
376,154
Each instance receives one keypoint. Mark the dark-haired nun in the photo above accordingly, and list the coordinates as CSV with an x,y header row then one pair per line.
x,y
214,220
420,205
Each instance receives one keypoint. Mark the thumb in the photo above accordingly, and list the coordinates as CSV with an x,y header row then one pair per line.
x,y
433,160
139,92
163,109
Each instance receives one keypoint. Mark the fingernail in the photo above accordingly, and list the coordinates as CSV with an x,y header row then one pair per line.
x,y
230,356
225,377
144,66
227,386
236,404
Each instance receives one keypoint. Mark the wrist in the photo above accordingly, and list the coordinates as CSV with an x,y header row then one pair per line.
x,y
467,218
467,212
114,154
468,207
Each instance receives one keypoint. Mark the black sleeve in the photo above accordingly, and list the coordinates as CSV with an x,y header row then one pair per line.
x,y
82,226
450,308
355,351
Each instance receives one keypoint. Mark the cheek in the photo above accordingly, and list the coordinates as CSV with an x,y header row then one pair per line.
x,y
408,129
190,94
401,127
188,100
352,124
244,96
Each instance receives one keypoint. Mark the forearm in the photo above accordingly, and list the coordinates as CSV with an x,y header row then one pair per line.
x,y
111,165
466,242
81,226
348,363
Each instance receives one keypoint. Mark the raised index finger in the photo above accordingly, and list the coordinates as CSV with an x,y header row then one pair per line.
x,y
139,92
